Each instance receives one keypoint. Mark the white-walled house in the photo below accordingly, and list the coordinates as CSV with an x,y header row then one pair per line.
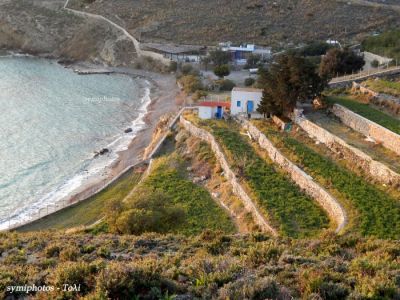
x,y
212,109
245,100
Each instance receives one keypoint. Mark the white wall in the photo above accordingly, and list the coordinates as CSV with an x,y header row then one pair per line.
x,y
205,112
244,97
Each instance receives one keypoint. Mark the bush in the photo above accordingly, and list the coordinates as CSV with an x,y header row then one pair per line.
x,y
222,71
249,81
121,281
191,83
226,85
149,212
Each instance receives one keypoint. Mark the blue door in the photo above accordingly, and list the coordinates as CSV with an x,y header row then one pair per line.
x,y
250,107
219,112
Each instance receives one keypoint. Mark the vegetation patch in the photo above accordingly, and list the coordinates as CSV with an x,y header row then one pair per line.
x,y
379,214
208,266
385,44
368,112
384,86
294,213
167,201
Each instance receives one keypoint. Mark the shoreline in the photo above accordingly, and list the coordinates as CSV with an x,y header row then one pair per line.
x,y
162,100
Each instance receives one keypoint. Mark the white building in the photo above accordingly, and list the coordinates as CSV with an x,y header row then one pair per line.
x,y
212,109
242,52
245,100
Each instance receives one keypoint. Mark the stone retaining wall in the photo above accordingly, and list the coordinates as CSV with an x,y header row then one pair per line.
x,y
302,179
388,138
374,168
228,173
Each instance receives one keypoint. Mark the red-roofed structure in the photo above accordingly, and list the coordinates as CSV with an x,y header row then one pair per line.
x,y
212,109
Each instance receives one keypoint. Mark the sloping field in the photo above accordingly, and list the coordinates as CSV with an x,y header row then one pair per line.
x,y
290,210
169,176
371,211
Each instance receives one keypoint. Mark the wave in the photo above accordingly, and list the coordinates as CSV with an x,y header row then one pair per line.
x,y
96,171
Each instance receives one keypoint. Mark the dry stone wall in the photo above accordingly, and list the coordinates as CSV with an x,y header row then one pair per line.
x,y
375,169
302,179
230,176
388,138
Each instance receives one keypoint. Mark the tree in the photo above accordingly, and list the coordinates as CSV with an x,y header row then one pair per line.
x,y
249,81
219,57
340,62
222,71
290,79
253,61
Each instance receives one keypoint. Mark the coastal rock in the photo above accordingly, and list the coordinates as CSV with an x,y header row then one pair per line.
x,y
104,151
128,130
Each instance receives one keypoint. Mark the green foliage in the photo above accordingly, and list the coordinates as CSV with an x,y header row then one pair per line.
x,y
386,44
379,213
191,83
226,85
219,57
317,48
340,62
291,79
167,202
199,94
149,211
222,70
249,81
295,213
253,61
368,112
384,86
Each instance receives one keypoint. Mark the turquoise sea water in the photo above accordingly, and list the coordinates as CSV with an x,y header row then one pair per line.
x,y
51,122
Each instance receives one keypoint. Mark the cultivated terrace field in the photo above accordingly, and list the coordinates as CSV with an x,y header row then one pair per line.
x,y
290,210
372,212
368,112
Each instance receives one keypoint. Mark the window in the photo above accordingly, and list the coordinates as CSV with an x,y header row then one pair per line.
x,y
238,103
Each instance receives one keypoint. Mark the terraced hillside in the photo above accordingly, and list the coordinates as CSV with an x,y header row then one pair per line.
x,y
371,210
290,210
263,22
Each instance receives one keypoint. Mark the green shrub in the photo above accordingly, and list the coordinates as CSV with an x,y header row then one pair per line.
x,y
226,85
249,81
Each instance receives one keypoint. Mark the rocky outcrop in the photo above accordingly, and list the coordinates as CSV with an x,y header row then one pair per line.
x,y
229,175
302,179
382,135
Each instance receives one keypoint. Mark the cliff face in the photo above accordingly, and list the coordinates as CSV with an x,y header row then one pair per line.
x,y
43,27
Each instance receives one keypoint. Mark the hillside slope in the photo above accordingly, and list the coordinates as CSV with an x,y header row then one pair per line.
x,y
208,266
262,21
42,27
